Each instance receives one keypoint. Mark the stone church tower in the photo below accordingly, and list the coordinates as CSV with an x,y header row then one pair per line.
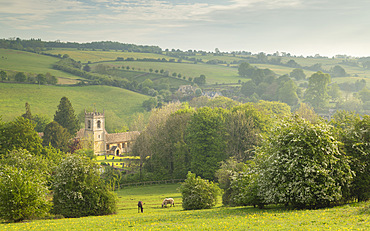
x,y
95,131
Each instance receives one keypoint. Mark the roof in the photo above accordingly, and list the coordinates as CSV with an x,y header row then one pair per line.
x,y
121,137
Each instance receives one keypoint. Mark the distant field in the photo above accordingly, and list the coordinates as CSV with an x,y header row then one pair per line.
x,y
98,56
119,104
347,217
21,61
214,73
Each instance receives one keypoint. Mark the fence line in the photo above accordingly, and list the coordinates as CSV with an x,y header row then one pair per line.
x,y
172,181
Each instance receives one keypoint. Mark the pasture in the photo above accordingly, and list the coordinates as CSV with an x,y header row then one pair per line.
x,y
120,105
21,61
214,73
346,217
98,56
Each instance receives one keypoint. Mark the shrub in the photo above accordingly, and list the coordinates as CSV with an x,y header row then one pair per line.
x,y
22,194
79,191
300,164
198,193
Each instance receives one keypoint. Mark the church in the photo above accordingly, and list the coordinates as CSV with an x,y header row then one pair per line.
x,y
104,143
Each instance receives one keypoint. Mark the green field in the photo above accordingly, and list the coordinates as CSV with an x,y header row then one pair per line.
x,y
97,56
119,104
214,73
347,217
21,61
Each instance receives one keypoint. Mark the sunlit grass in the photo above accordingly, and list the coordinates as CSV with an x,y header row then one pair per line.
x,y
21,61
119,104
347,217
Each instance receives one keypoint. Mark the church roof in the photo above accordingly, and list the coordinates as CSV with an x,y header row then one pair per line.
x,y
114,137
121,137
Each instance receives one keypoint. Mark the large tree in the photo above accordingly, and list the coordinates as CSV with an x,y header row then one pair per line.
x,y
56,136
354,132
288,93
17,134
300,164
206,141
317,91
65,116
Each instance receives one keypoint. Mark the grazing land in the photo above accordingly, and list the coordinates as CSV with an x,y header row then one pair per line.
x,y
119,104
32,63
346,217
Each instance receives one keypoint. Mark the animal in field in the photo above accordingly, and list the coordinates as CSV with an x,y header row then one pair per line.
x,y
168,201
140,207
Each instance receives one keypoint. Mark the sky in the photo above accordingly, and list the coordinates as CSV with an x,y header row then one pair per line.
x,y
299,27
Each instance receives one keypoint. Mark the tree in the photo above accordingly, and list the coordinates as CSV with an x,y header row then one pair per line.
x,y
56,136
41,79
79,191
28,114
298,74
65,116
87,68
288,93
302,166
206,141
19,134
3,75
23,187
354,133
224,176
22,195
198,193
317,91
334,92
51,79
248,88
338,71
40,122
307,113
200,80
20,77
246,70
150,103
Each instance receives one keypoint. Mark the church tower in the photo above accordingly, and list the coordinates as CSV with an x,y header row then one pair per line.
x,y
95,131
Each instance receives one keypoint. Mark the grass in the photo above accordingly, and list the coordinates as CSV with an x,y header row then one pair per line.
x,y
21,61
120,105
347,217
214,73
98,55
132,161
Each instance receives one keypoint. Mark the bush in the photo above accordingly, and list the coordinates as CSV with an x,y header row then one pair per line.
x,y
79,191
198,193
22,194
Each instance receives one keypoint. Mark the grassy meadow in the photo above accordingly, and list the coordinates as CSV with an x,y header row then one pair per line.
x,y
214,73
346,217
27,62
119,104
97,56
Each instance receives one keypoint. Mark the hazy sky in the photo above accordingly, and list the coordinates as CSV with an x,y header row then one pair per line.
x,y
301,27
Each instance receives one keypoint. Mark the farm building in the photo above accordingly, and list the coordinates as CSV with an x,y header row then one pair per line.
x,y
103,142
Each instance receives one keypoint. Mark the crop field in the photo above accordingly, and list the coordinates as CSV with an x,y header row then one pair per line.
x,y
21,61
346,217
119,104
97,56
214,73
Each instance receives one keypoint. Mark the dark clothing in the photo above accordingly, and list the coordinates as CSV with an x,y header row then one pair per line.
x,y
140,206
